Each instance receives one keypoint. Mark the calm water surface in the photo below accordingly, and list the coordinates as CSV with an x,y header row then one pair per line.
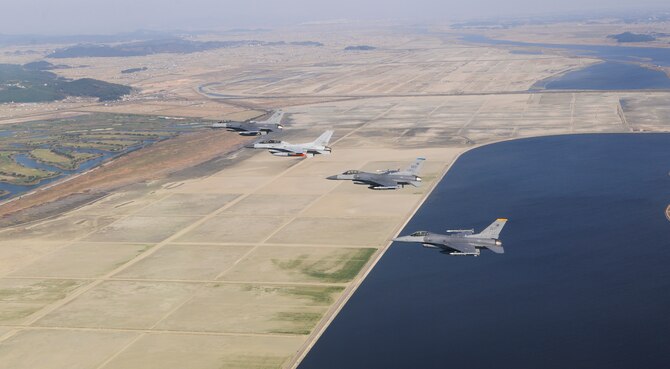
x,y
620,71
584,282
608,76
653,55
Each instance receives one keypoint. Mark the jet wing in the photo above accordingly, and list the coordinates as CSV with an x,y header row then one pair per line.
x,y
291,150
461,247
380,181
250,133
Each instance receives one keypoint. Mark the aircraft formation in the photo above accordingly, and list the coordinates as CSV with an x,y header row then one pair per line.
x,y
461,242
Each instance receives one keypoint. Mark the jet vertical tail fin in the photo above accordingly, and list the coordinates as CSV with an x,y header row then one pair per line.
x,y
324,139
414,168
493,230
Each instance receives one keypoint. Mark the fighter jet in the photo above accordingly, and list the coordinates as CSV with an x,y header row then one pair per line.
x,y
254,128
388,179
309,149
461,241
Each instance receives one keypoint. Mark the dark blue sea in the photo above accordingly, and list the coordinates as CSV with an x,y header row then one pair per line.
x,y
584,281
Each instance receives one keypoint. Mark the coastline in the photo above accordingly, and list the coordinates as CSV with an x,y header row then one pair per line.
x,y
335,309
363,320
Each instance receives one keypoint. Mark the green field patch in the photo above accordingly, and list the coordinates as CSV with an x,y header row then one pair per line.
x,y
15,173
41,290
251,362
67,160
318,295
149,133
28,141
20,298
93,145
127,136
341,267
301,322
123,143
107,124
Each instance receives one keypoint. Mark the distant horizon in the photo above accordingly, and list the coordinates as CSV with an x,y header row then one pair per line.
x,y
79,17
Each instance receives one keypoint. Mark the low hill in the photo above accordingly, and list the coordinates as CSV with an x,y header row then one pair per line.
x,y
39,65
632,37
359,48
90,87
172,45
21,84
133,70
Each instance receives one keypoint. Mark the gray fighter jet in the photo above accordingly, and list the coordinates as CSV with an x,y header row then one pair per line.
x,y
308,149
254,128
461,241
388,179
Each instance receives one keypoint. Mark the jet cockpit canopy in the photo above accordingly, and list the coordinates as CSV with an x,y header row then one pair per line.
x,y
352,172
419,234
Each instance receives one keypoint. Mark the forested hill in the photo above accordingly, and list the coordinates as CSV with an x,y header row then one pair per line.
x,y
24,83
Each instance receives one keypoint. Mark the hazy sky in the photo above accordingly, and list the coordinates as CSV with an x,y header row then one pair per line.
x,y
110,16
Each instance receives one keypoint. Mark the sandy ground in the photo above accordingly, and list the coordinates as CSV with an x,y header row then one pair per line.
x,y
243,262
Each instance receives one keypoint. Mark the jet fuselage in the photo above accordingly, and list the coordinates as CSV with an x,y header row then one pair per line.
x,y
461,242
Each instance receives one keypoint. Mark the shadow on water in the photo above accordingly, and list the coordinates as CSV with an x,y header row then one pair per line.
x,y
584,282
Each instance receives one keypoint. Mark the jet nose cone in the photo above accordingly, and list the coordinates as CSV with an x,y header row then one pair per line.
x,y
250,146
332,177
